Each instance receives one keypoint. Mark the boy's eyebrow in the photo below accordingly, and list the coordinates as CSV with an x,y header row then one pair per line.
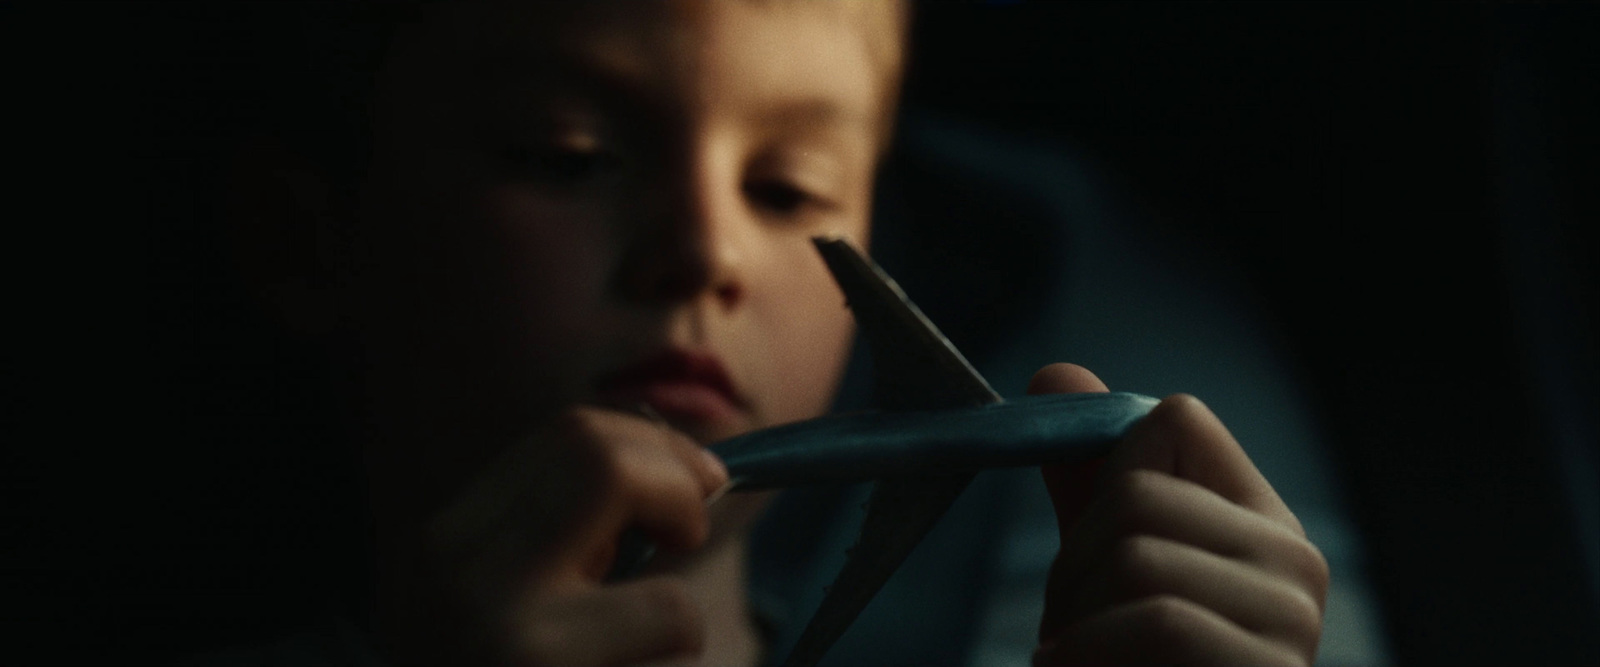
x,y
811,111
614,86
608,84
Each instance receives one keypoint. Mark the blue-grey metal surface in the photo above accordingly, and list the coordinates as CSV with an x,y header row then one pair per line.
x,y
859,447
939,403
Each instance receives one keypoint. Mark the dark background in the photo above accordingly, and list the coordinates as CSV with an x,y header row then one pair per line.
x,y
1409,188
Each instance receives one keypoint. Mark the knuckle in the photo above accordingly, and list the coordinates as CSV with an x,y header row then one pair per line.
x,y
579,437
1308,565
1129,484
1133,495
1137,566
1302,617
1137,555
1169,617
588,435
1296,625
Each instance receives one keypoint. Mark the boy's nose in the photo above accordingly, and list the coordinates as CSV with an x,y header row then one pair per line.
x,y
692,245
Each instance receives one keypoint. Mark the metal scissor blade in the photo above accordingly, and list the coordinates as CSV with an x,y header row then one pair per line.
x,y
900,513
869,446
915,366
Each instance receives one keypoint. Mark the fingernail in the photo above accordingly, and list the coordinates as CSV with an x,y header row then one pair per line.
x,y
650,413
716,464
718,494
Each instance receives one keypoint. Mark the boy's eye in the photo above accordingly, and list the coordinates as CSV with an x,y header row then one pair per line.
x,y
777,196
557,165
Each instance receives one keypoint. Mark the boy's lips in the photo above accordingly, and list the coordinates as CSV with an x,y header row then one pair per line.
x,y
679,384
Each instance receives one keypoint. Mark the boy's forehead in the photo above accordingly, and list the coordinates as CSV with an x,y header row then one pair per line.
x,y
642,47
680,23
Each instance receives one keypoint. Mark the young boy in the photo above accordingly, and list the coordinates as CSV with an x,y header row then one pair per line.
x,y
579,253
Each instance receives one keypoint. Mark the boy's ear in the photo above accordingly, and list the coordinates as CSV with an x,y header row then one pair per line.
x,y
281,229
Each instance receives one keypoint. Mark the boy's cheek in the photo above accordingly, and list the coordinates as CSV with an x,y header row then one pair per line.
x,y
809,331
538,275
492,281
557,264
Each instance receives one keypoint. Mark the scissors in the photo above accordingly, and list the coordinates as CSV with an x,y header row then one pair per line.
x,y
940,424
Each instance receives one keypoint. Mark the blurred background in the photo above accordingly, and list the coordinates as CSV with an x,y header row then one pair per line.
x,y
1407,191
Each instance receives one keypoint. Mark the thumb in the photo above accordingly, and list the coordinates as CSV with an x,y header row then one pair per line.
x,y
1071,486
1064,378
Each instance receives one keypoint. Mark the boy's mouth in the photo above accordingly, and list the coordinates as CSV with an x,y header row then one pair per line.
x,y
679,384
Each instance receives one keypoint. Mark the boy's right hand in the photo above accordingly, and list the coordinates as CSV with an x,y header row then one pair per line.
x,y
525,549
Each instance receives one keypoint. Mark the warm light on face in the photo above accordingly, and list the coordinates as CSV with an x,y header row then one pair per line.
x,y
557,199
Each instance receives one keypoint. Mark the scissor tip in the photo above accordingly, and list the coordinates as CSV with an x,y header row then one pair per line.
x,y
831,239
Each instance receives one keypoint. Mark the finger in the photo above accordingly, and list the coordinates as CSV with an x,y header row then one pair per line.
x,y
1064,378
1071,487
1146,502
1145,566
1161,630
662,481
1150,503
608,471
645,620
560,477
1182,437
713,475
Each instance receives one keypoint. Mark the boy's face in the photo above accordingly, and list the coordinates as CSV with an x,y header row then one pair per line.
x,y
612,203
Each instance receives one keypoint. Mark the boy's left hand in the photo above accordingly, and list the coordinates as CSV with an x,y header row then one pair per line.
x,y
1176,550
